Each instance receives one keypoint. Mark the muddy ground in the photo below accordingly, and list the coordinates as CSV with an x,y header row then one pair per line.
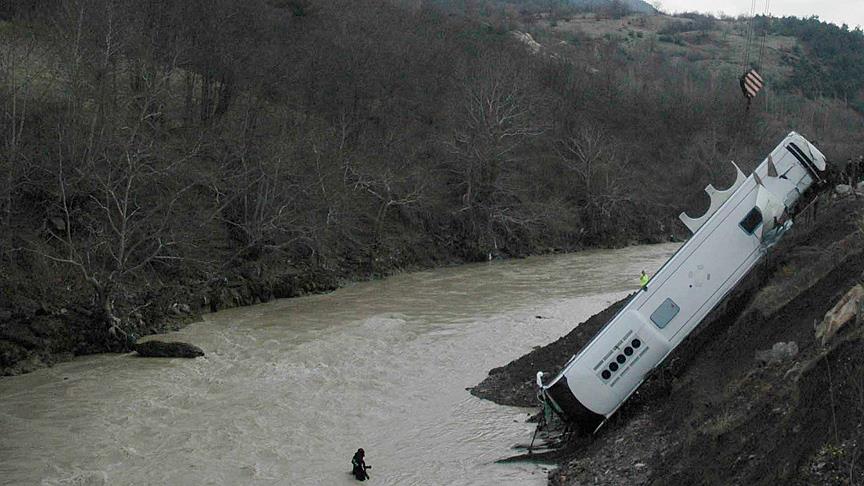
x,y
713,413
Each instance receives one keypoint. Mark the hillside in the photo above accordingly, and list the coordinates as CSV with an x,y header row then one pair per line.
x,y
159,162
800,56
718,413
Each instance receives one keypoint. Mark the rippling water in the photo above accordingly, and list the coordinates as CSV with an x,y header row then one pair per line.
x,y
290,389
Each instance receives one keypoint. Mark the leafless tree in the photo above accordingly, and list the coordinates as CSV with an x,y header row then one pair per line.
x,y
496,117
390,189
114,188
24,61
257,191
599,169
114,222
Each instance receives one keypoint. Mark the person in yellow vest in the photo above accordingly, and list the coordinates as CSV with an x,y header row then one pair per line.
x,y
643,280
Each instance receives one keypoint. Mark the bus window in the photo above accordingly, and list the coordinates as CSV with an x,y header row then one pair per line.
x,y
751,221
665,313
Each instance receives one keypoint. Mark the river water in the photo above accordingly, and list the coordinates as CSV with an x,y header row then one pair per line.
x,y
290,389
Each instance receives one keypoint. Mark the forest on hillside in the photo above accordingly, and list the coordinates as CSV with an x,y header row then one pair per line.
x,y
834,62
147,143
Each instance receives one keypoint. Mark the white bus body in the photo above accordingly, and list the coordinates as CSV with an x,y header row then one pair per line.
x,y
727,242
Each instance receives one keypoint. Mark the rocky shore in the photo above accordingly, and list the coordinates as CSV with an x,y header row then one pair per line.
x,y
751,397
42,334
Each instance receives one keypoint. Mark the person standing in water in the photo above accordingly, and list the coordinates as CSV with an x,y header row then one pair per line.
x,y
643,280
358,465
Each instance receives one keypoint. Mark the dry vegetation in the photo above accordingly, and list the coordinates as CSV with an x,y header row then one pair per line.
x,y
150,149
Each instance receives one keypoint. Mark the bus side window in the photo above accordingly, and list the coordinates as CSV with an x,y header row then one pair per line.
x,y
665,313
751,221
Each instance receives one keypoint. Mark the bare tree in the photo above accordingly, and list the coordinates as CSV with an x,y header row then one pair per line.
x,y
496,117
18,69
391,189
116,222
115,187
599,169
257,192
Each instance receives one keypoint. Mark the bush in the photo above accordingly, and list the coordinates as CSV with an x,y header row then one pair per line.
x,y
698,23
672,39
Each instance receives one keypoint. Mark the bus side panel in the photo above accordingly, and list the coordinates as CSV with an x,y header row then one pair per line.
x,y
707,272
617,365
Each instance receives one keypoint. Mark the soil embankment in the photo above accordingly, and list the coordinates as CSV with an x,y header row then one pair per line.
x,y
714,413
35,333
39,329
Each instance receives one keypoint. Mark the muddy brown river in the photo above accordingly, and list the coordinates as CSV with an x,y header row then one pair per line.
x,y
290,389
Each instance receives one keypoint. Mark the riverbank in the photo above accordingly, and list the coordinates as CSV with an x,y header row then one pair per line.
x,y
288,390
38,334
40,328
714,413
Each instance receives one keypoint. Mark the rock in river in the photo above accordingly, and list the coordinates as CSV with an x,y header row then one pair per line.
x,y
160,349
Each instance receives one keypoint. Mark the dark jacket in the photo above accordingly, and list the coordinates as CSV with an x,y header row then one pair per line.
x,y
358,467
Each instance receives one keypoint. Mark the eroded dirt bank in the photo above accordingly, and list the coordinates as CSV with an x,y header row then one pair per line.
x,y
40,332
713,413
42,326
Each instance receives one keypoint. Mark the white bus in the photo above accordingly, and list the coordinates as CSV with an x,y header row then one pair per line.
x,y
728,241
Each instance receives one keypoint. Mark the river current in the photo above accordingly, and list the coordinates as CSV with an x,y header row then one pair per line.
x,y
290,389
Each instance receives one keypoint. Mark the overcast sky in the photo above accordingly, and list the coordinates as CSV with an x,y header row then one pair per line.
x,y
839,12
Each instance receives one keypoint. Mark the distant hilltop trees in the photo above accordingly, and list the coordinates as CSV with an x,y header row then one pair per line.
x,y
625,6
609,8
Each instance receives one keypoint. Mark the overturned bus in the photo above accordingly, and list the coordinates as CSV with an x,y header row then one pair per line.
x,y
728,240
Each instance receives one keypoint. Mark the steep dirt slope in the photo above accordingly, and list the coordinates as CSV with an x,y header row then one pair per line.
x,y
713,413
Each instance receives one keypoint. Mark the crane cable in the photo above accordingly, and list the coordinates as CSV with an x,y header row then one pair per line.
x,y
765,15
749,74
745,61
750,36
